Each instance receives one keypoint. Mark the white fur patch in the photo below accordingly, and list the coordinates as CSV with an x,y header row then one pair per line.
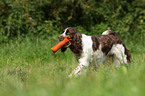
x,y
99,56
64,33
118,50
87,49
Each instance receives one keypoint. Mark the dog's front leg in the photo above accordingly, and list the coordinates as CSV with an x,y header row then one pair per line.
x,y
83,64
77,71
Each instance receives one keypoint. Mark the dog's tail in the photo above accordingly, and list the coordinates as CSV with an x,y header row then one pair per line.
x,y
110,32
127,52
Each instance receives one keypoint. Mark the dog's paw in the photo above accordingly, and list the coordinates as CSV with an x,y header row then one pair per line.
x,y
69,76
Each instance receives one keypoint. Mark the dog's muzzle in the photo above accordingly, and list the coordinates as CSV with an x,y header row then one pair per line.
x,y
64,47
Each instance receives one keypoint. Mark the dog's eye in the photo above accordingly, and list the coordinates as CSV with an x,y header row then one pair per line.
x,y
67,32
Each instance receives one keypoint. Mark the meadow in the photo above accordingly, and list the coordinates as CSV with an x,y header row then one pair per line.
x,y
29,68
29,28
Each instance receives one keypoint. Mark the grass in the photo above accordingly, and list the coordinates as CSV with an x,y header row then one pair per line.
x,y
29,68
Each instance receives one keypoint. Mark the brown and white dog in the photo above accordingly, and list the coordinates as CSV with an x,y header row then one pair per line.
x,y
100,48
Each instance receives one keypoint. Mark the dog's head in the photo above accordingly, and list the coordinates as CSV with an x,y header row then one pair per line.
x,y
68,31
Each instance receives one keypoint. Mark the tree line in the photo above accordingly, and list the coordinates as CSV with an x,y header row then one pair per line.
x,y
49,17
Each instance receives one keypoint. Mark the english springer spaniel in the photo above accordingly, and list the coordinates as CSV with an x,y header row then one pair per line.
x,y
100,48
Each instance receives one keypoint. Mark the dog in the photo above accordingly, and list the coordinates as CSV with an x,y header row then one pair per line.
x,y
100,48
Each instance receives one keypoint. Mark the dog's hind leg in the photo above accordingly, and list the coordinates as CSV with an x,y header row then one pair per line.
x,y
116,62
119,54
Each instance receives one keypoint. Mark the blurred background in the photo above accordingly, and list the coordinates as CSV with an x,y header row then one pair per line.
x,y
46,18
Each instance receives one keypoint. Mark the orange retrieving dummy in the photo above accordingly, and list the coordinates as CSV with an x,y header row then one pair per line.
x,y
61,43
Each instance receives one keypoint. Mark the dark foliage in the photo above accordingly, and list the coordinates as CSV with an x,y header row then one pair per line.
x,y
49,17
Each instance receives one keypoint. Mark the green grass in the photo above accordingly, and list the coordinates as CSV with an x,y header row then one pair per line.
x,y
29,68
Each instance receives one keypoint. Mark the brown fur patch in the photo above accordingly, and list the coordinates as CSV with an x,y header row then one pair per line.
x,y
95,43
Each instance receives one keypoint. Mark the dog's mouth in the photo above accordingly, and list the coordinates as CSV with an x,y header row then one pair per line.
x,y
64,47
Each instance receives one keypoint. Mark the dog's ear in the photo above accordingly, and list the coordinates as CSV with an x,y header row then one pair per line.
x,y
71,31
